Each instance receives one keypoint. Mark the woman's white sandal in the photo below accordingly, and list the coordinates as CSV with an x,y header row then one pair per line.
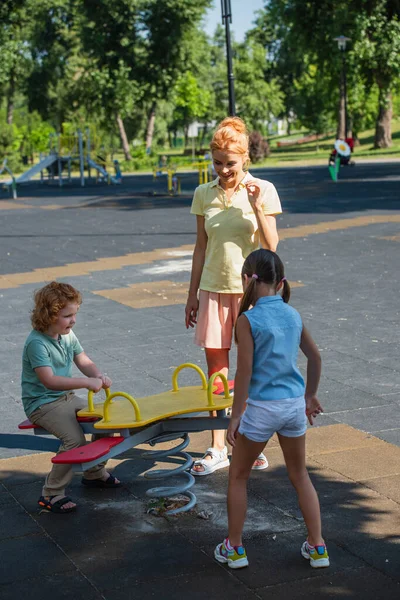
x,y
219,460
264,464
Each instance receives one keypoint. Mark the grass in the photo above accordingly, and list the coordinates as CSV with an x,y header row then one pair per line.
x,y
314,153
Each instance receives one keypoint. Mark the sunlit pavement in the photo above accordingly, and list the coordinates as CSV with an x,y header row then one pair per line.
x,y
128,249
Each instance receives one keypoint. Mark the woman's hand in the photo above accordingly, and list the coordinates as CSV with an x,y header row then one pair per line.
x,y
233,430
254,194
192,307
313,407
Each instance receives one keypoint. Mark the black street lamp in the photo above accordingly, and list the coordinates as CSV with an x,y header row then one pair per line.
x,y
342,41
226,12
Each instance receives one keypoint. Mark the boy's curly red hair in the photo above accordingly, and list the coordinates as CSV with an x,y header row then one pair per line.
x,y
49,300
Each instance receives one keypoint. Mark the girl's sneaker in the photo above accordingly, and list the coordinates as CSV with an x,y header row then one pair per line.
x,y
317,555
236,558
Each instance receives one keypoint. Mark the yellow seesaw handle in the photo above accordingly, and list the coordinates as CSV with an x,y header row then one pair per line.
x,y
211,386
90,399
106,406
175,374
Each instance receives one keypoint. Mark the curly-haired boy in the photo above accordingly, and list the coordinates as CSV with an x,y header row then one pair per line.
x,y
48,387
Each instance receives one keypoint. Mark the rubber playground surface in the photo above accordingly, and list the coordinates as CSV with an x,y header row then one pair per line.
x,y
128,249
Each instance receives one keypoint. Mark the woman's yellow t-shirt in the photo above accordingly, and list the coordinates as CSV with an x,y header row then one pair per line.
x,y
232,231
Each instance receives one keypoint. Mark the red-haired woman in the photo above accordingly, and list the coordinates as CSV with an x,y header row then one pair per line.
x,y
235,215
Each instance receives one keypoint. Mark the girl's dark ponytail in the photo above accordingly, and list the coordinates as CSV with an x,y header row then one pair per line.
x,y
249,299
286,291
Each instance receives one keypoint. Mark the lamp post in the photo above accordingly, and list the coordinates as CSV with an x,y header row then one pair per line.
x,y
226,12
342,41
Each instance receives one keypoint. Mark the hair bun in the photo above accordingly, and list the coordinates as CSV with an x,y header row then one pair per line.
x,y
235,123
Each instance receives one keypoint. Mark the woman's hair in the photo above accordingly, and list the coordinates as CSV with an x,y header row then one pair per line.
x,y
49,300
231,135
262,266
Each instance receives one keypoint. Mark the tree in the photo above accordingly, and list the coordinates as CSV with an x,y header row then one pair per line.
x,y
191,101
300,34
169,27
377,48
53,42
15,53
257,98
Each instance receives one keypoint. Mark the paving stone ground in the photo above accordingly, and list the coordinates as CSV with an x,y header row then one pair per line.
x,y
129,252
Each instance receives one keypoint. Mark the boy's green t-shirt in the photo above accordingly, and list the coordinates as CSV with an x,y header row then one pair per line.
x,y
41,350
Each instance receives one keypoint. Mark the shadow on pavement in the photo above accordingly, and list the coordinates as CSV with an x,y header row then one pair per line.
x,y
113,547
301,189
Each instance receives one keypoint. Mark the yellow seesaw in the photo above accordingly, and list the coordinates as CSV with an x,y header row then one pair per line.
x,y
130,413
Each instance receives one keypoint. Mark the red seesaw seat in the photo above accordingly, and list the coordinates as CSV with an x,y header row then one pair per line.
x,y
28,425
87,453
219,386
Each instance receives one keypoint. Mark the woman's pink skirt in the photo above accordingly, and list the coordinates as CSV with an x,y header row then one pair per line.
x,y
216,319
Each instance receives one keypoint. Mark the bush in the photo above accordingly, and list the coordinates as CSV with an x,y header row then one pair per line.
x,y
258,147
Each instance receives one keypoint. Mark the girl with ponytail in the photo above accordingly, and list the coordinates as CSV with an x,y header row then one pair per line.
x,y
235,215
270,397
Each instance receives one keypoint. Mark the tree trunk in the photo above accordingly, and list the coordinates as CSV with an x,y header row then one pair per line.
x,y
349,127
150,125
383,130
124,139
10,99
203,135
186,136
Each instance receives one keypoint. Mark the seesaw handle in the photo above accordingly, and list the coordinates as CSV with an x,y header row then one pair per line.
x,y
211,386
187,366
106,407
90,399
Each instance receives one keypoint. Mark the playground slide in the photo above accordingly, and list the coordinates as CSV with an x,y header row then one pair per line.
x,y
35,170
102,171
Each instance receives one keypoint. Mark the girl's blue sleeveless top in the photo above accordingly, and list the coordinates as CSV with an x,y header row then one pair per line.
x,y
276,329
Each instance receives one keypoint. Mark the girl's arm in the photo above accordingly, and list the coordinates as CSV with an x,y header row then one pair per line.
x,y
243,375
199,253
310,350
64,384
88,368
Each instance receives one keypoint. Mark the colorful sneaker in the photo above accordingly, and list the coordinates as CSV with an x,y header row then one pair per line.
x,y
317,555
236,558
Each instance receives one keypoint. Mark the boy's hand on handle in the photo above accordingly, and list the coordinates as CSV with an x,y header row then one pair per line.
x,y
254,194
233,430
94,384
313,408
107,382
192,307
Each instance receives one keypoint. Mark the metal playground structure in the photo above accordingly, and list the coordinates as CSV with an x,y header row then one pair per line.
x,y
174,179
64,151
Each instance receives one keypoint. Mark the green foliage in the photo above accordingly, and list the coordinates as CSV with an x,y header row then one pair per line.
x,y
299,36
87,63
191,100
9,145
258,100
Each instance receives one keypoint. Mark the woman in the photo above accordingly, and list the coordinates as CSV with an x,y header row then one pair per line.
x,y
235,215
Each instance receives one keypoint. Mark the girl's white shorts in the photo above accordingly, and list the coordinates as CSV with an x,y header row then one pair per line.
x,y
262,419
